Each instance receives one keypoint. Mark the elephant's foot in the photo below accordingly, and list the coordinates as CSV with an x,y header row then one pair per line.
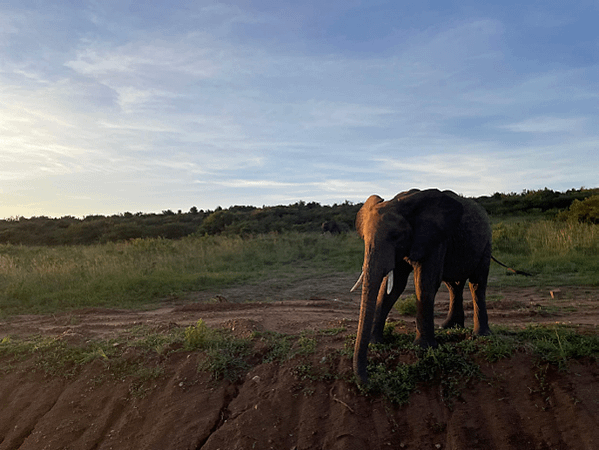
x,y
424,342
376,339
482,331
377,335
452,323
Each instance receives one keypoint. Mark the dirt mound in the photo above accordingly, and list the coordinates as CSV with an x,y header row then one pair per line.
x,y
271,408
517,404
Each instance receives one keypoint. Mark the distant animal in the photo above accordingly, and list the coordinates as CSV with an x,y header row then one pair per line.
x,y
441,237
331,226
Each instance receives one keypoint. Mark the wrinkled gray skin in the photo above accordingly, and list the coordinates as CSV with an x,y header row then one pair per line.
x,y
437,235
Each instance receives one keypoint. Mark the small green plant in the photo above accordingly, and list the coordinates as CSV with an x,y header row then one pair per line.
x,y
149,339
446,365
305,371
55,357
278,346
226,362
333,331
305,345
198,336
325,370
225,354
496,347
407,306
557,344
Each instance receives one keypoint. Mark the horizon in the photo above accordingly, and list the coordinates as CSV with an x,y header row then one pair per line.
x,y
110,107
200,209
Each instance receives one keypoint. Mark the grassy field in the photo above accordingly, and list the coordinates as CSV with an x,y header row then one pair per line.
x,y
139,273
556,253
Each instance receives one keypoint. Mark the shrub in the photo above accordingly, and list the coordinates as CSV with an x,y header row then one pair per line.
x,y
585,211
407,306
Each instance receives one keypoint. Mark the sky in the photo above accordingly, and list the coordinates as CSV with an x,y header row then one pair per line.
x,y
121,106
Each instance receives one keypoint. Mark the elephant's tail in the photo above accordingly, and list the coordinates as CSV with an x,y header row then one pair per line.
x,y
518,272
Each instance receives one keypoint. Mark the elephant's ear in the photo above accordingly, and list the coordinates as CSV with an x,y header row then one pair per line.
x,y
434,216
365,211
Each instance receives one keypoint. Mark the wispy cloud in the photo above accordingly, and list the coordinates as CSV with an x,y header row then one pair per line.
x,y
548,125
340,114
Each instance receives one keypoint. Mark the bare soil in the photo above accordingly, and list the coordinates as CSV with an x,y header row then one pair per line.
x,y
517,405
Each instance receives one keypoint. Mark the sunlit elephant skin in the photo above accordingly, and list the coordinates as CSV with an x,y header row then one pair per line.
x,y
441,237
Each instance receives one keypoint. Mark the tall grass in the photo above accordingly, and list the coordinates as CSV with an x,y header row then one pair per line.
x,y
556,252
139,272
143,271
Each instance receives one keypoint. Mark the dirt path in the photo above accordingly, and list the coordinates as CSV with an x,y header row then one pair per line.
x,y
309,304
512,408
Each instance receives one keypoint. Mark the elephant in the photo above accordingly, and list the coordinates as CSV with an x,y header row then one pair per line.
x,y
441,237
331,226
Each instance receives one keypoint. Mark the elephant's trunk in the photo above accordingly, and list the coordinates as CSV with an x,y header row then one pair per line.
x,y
371,283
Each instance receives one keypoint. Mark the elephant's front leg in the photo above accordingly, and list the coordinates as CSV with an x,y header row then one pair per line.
x,y
455,316
426,284
386,301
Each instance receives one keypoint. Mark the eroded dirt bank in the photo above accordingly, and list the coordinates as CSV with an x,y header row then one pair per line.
x,y
516,405
272,409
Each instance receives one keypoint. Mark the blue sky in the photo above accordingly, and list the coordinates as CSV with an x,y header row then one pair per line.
x,y
115,106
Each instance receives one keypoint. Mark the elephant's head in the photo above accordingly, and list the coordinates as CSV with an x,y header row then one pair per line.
x,y
408,227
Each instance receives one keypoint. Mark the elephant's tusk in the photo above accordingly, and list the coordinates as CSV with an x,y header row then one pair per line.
x,y
389,282
358,283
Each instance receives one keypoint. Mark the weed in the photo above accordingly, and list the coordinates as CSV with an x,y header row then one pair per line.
x,y
333,331
278,345
497,347
449,365
305,371
55,357
225,363
557,344
225,354
198,336
305,345
407,306
159,342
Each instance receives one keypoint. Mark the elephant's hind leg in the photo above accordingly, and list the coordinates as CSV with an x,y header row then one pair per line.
x,y
455,316
478,289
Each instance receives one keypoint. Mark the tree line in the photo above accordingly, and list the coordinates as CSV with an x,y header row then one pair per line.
x,y
580,204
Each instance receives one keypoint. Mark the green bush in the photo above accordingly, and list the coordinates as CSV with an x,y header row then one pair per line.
x,y
585,211
407,306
